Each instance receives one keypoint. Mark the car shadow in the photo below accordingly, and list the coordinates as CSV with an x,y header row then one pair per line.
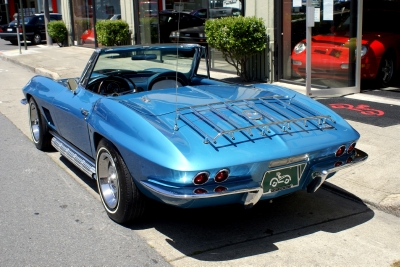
x,y
198,233
201,233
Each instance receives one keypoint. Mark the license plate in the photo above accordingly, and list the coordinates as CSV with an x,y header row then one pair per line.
x,y
281,179
9,29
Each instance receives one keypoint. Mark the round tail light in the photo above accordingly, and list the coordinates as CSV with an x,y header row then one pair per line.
x,y
221,176
201,178
220,189
340,151
339,163
200,191
351,148
349,159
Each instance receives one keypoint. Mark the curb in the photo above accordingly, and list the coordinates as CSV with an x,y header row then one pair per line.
x,y
40,71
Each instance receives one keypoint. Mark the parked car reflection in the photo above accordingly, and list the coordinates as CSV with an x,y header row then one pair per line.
x,y
333,53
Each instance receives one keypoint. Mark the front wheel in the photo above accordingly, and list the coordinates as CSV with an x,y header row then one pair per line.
x,y
121,199
38,127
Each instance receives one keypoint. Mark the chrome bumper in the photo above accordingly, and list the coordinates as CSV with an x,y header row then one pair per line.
x,y
319,177
252,195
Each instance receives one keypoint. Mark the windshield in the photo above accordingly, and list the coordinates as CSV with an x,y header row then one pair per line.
x,y
145,60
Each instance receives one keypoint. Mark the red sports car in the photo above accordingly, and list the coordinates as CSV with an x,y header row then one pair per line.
x,y
380,51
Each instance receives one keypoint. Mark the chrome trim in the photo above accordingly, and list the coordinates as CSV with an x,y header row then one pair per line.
x,y
24,101
170,194
219,172
75,157
208,174
359,156
252,197
286,161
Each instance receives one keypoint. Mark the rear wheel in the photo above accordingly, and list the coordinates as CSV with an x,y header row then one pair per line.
x,y
14,42
38,127
386,70
121,199
36,39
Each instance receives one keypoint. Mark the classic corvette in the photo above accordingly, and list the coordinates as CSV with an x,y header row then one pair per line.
x,y
332,53
149,122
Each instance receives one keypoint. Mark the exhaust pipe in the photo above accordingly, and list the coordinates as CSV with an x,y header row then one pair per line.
x,y
318,179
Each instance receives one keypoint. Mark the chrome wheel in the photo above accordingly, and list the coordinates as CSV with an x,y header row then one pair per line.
x,y
38,126
34,122
119,195
107,179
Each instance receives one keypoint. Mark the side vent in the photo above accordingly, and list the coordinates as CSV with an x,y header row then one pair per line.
x,y
48,116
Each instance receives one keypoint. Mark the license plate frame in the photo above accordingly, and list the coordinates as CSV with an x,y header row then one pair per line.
x,y
282,178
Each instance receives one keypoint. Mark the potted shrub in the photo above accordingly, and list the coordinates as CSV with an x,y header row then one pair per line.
x,y
57,31
112,32
238,39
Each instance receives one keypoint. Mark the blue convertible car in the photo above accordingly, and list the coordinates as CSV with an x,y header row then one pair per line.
x,y
149,122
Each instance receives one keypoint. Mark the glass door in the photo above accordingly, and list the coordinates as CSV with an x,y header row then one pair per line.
x,y
333,45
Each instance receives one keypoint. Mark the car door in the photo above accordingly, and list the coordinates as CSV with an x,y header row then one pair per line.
x,y
72,108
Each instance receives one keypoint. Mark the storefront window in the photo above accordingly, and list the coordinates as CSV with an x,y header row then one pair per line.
x,y
333,45
84,15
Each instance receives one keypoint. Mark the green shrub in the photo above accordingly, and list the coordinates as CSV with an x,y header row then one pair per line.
x,y
112,32
238,38
57,31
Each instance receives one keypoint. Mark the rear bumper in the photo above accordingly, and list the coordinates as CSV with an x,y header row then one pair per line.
x,y
249,194
12,36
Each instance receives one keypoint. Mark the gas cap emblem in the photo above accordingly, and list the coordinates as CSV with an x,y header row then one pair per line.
x,y
252,115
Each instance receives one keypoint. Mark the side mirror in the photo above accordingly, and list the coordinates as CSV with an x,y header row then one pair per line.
x,y
72,84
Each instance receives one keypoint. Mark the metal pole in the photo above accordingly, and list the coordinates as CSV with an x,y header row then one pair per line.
x,y
46,21
8,16
309,24
21,7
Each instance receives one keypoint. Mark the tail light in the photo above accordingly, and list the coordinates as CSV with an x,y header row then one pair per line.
x,y
200,191
338,163
221,176
351,148
20,28
201,178
349,159
340,151
220,189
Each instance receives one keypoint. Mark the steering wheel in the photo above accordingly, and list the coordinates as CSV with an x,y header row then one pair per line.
x,y
166,76
114,85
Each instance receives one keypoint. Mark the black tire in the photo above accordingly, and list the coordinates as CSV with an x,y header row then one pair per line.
x,y
14,42
38,127
121,199
386,70
36,39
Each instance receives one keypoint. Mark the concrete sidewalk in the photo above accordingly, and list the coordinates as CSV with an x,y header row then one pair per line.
x,y
376,182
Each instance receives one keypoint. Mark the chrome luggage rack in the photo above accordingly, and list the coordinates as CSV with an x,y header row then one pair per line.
x,y
252,111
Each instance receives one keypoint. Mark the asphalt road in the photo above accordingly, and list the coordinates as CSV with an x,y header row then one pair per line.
x,y
50,215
